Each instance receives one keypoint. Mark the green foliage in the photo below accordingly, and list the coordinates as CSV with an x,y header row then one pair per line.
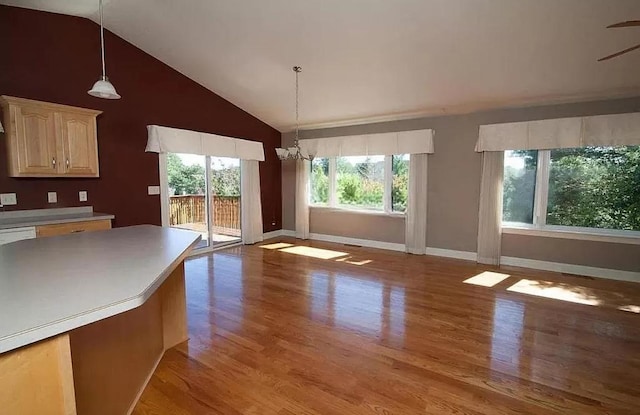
x,y
350,189
190,180
184,180
400,187
360,185
320,181
226,181
594,187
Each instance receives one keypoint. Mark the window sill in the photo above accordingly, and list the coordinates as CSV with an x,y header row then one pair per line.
x,y
620,237
358,211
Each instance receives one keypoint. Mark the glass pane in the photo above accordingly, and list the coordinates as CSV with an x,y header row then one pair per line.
x,y
400,185
519,185
595,187
187,188
361,182
320,181
225,200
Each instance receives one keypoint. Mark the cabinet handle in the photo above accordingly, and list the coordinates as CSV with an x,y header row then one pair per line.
x,y
67,163
54,162
77,231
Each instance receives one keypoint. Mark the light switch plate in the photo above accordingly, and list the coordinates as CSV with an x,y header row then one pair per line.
x,y
52,197
82,195
153,190
7,199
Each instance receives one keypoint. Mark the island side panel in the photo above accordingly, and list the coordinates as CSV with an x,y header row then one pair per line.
x,y
38,379
174,308
114,358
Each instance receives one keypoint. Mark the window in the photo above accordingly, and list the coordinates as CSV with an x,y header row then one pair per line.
x,y
204,196
319,181
400,185
374,183
360,182
591,187
519,185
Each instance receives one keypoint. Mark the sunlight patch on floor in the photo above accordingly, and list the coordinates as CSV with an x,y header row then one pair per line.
x,y
630,308
487,279
278,245
556,291
309,251
314,252
350,260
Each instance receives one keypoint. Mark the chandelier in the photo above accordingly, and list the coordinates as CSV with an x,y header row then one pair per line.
x,y
295,152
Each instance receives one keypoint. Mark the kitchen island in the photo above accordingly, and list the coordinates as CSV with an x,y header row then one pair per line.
x,y
85,318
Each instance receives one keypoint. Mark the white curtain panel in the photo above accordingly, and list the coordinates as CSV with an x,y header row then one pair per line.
x,y
250,203
303,167
381,144
490,212
599,130
416,218
175,140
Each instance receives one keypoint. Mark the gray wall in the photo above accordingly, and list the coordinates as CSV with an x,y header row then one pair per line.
x,y
454,189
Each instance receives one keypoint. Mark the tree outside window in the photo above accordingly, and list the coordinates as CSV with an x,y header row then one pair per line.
x,y
591,187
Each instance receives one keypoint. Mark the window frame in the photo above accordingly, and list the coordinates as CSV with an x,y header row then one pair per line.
x,y
540,206
332,202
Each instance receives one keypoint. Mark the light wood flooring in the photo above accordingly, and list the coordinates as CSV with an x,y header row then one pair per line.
x,y
335,329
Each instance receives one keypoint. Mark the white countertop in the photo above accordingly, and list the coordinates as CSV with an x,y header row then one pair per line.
x,y
36,217
52,285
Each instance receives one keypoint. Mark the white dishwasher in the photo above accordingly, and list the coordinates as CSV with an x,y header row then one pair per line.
x,y
16,234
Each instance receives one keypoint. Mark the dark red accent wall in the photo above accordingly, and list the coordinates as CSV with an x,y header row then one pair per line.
x,y
56,58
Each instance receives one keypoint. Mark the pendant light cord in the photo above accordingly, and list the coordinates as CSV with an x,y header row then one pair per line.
x,y
104,71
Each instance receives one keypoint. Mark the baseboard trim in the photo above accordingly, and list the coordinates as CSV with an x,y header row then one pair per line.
x,y
355,241
450,253
606,273
272,234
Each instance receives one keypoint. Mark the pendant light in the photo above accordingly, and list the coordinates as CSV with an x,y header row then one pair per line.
x,y
103,88
295,152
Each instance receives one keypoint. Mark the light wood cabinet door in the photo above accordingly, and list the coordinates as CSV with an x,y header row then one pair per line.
x,y
49,140
72,227
79,144
35,141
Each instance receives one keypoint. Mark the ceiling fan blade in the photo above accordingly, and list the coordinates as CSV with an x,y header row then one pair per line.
x,y
622,52
629,23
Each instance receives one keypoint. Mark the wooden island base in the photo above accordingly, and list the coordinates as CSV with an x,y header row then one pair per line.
x,y
101,368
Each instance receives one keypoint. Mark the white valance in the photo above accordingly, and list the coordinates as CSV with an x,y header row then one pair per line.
x,y
600,130
174,140
383,144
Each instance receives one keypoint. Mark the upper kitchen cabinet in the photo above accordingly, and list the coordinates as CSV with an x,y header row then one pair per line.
x,y
49,140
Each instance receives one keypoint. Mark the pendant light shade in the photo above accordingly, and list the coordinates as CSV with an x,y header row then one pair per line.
x,y
103,88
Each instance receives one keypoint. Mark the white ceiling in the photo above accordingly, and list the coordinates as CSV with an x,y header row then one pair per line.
x,y
381,59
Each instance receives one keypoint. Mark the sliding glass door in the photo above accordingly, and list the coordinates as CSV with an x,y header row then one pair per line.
x,y
204,196
224,201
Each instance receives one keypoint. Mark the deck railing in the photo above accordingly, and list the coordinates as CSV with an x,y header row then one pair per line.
x,y
192,209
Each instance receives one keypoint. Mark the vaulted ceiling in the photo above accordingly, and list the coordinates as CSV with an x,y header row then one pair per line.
x,y
381,59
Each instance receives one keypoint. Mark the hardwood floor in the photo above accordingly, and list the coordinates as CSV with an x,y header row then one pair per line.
x,y
347,330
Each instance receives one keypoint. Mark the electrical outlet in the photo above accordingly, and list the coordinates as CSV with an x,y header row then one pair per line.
x,y
82,195
52,197
8,199
153,190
